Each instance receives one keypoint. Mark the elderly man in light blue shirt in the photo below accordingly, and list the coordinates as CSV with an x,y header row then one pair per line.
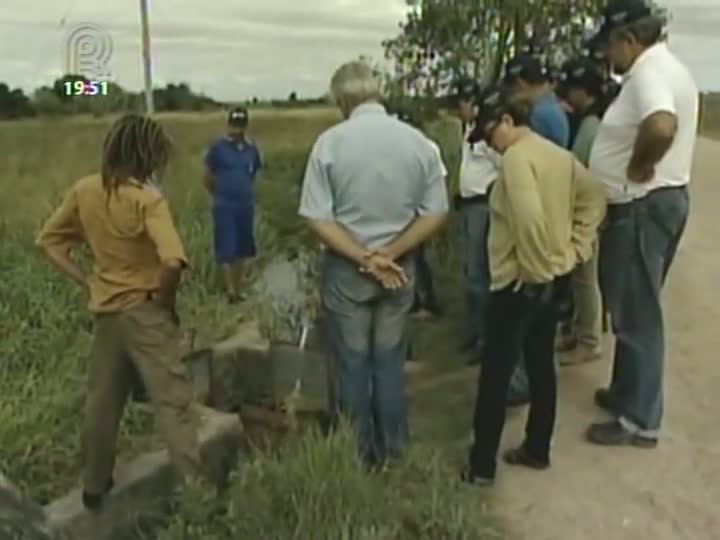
x,y
374,190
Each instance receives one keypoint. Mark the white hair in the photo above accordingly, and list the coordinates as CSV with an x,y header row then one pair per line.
x,y
354,83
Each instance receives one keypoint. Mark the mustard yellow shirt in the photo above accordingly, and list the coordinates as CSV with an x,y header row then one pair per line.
x,y
546,208
130,235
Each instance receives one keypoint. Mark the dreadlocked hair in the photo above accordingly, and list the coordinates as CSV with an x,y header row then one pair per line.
x,y
135,147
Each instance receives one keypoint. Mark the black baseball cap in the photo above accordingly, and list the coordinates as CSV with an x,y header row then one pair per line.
x,y
619,13
492,104
526,67
467,89
594,49
581,72
238,117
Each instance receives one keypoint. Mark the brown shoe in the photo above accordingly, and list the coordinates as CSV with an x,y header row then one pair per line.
x,y
581,355
614,434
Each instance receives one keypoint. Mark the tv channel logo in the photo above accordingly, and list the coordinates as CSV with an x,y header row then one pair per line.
x,y
88,50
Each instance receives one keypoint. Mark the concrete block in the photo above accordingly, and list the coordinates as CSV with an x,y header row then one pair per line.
x,y
240,370
144,485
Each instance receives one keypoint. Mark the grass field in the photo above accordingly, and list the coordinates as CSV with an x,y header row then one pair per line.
x,y
45,333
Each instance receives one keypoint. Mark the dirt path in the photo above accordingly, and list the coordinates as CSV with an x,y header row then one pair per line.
x,y
592,493
672,493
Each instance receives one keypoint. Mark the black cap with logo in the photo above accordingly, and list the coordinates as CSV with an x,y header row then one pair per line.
x,y
467,89
238,117
581,73
492,104
526,67
619,13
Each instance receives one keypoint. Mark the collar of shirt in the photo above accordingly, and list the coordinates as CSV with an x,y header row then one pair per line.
x,y
646,56
368,108
240,145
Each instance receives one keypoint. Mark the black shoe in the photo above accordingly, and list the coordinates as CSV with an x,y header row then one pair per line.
x,y
94,501
606,401
614,434
469,477
520,456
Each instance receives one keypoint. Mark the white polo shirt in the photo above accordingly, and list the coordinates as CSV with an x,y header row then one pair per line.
x,y
479,167
656,82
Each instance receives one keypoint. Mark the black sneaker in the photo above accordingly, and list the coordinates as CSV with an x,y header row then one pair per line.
x,y
521,457
469,477
94,501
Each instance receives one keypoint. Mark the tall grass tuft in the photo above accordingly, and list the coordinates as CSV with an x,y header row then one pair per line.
x,y
314,488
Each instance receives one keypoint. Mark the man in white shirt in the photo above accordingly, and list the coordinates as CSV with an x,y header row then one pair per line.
x,y
479,168
643,153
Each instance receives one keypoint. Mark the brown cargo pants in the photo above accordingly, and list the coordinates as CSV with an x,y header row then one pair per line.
x,y
588,303
145,338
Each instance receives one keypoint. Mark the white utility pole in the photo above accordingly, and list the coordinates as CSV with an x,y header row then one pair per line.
x,y
149,105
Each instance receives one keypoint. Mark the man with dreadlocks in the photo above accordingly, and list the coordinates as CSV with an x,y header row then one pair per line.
x,y
138,260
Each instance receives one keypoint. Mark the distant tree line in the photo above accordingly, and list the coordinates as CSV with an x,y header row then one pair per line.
x,y
57,100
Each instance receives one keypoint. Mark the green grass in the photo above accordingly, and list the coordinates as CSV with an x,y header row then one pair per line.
x,y
45,334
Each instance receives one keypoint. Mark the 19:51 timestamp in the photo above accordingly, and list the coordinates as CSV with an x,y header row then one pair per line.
x,y
86,88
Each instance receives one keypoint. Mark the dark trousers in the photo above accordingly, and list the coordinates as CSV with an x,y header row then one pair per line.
x,y
424,288
520,324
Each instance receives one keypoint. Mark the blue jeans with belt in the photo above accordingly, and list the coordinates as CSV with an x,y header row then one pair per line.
x,y
367,329
637,247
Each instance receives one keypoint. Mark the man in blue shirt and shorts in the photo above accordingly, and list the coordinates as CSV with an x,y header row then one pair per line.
x,y
232,163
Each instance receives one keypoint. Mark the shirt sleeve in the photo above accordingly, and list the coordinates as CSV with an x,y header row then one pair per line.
x,y
585,139
434,200
653,94
161,230
63,229
589,210
527,219
258,160
316,198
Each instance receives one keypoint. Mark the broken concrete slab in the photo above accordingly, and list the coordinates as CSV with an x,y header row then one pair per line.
x,y
20,517
239,368
144,485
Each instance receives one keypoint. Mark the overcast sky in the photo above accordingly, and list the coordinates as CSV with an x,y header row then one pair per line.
x,y
235,49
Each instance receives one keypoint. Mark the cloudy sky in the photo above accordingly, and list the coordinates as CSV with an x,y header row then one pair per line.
x,y
235,49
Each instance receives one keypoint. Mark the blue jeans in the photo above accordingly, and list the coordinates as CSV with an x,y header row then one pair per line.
x,y
476,272
367,330
476,269
638,245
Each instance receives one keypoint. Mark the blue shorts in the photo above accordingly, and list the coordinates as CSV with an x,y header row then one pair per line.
x,y
233,233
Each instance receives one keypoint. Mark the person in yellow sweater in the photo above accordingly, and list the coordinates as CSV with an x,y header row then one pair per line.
x,y
545,211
